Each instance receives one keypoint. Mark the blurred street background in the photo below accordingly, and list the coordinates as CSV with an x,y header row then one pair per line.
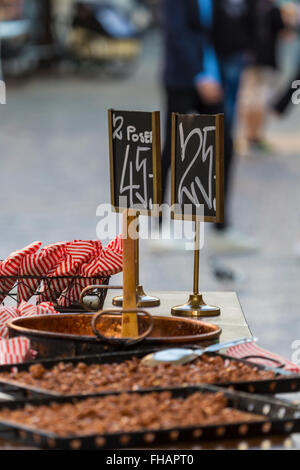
x,y
55,173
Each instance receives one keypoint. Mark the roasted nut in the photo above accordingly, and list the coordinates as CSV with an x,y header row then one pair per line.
x,y
37,371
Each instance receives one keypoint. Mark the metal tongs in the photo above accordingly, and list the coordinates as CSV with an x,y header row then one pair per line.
x,y
182,355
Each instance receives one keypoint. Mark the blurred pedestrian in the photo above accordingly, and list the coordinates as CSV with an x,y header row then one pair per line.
x,y
207,44
261,80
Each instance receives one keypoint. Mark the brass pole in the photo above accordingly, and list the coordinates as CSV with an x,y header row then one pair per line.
x,y
137,252
129,320
195,306
196,257
142,299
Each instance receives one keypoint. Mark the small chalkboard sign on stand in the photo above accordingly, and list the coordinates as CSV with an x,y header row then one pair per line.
x,y
197,187
135,174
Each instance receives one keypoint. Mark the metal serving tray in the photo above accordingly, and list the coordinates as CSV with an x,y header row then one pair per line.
x,y
286,383
278,418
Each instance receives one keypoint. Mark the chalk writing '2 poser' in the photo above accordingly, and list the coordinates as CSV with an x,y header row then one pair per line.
x,y
131,133
190,190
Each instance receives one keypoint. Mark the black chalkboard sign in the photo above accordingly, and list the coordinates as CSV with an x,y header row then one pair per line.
x,y
135,160
198,167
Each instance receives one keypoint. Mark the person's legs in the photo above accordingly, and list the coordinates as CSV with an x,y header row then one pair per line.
x,y
258,90
252,105
225,238
232,69
228,162
178,101
203,108
185,102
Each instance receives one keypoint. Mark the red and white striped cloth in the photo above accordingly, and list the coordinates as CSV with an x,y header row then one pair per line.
x,y
76,253
48,289
26,310
10,267
6,314
17,350
252,349
113,257
37,264
60,262
23,310
108,261
71,294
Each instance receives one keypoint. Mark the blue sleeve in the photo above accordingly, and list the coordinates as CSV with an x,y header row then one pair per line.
x,y
211,69
210,66
206,12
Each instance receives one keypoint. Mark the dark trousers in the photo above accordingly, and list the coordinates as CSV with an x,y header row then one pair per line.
x,y
188,102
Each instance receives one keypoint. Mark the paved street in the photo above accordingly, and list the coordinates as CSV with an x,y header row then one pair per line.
x,y
54,174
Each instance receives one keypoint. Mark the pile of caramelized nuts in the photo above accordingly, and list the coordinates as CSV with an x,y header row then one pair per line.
x,y
132,375
128,412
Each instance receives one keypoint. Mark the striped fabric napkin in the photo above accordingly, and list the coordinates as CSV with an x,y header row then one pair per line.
x,y
104,261
59,263
17,350
23,310
112,261
47,290
108,261
252,349
10,267
71,294
75,253
37,264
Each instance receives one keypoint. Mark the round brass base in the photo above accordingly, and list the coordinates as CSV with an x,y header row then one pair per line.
x,y
195,307
142,299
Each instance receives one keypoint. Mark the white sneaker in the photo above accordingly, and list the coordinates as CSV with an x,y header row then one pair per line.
x,y
230,240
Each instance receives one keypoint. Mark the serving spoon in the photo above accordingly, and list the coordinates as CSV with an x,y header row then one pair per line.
x,y
182,355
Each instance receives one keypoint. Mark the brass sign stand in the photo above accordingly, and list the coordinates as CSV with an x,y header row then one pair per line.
x,y
195,125
195,306
142,299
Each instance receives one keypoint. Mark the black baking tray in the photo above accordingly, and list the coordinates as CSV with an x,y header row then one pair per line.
x,y
284,381
278,418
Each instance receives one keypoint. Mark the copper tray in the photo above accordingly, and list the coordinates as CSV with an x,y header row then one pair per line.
x,y
68,335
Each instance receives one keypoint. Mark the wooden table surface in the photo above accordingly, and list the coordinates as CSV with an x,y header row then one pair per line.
x,y
234,325
232,319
